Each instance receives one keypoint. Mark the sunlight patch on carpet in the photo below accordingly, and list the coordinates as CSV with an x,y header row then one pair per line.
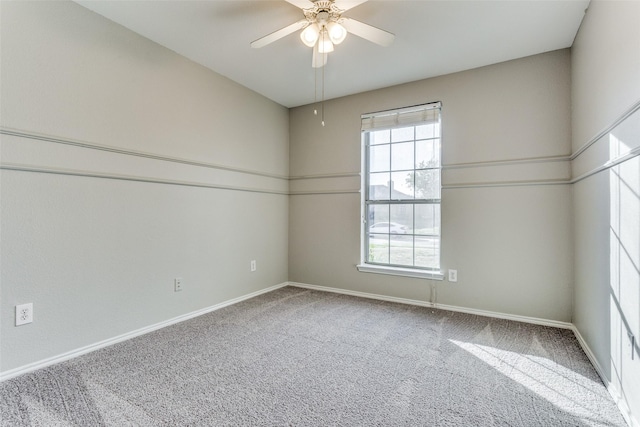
x,y
560,386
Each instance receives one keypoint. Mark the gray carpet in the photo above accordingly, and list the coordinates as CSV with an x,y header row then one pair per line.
x,y
300,357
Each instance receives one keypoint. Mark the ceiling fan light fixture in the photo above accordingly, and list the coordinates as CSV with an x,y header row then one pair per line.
x,y
324,42
309,35
337,33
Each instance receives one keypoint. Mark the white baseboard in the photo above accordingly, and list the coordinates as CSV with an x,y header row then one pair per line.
x,y
590,355
485,313
105,343
611,388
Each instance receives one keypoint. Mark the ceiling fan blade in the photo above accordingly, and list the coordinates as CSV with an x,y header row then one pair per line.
x,y
319,59
277,35
368,32
345,5
302,4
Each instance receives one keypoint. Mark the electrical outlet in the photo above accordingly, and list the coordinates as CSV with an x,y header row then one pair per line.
x,y
177,284
254,266
453,275
24,314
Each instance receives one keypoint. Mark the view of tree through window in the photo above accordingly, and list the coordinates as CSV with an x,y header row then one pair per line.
x,y
402,200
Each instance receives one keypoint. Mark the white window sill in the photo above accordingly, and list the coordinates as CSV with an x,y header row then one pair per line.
x,y
398,271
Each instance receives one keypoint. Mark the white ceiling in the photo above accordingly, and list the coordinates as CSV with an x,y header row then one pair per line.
x,y
432,38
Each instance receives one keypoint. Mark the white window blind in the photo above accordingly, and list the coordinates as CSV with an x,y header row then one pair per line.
x,y
410,116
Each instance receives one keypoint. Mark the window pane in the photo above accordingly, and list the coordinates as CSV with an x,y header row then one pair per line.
x,y
401,250
427,252
378,248
431,130
402,134
401,219
427,219
378,218
402,156
379,158
379,137
427,184
401,185
427,153
379,186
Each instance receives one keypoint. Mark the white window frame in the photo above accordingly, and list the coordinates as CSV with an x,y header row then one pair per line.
x,y
391,119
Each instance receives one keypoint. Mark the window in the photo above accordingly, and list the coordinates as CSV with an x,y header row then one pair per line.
x,y
401,194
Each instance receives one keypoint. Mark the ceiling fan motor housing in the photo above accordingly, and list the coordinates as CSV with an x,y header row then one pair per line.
x,y
323,12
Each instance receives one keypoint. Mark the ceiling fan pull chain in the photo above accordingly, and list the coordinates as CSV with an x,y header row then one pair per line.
x,y
315,88
322,105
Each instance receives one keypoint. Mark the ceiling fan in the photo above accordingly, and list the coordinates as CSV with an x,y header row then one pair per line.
x,y
324,26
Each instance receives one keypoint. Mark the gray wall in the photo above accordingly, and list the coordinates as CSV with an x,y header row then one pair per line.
x,y
93,236
605,88
506,204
